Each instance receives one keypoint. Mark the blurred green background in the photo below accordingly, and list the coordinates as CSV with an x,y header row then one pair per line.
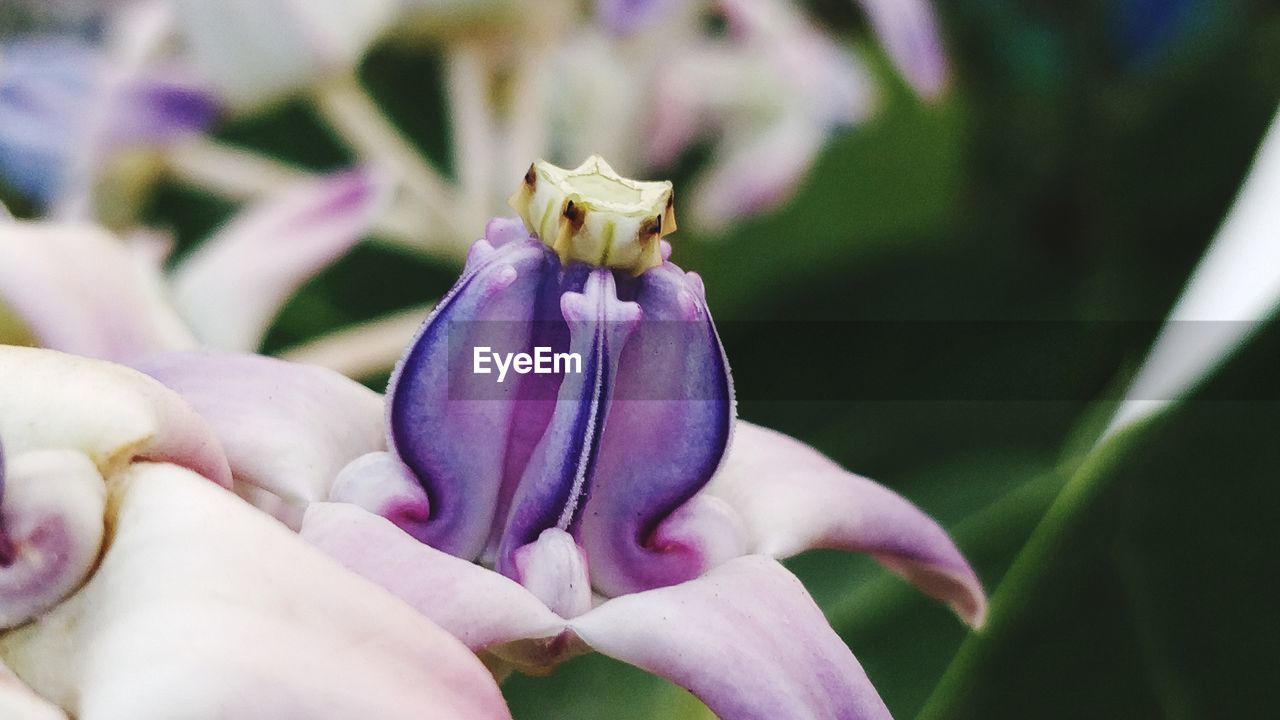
x,y
1075,172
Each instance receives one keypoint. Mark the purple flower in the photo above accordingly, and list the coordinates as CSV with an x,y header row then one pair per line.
x,y
67,108
612,504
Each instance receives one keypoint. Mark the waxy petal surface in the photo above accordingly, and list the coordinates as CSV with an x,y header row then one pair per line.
x,y
792,498
232,286
554,569
564,465
18,702
746,639
51,530
664,437
111,413
445,422
479,607
82,290
205,604
286,428
380,483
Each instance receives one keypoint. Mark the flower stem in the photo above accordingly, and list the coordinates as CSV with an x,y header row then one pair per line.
x,y
245,175
359,122
1028,566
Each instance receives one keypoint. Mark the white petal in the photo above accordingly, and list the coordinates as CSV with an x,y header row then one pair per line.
x,y
286,428
80,289
204,604
1232,291
50,400
18,702
258,50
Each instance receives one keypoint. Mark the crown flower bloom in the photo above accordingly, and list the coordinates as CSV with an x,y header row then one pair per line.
x,y
605,507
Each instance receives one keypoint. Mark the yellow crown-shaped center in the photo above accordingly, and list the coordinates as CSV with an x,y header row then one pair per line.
x,y
594,215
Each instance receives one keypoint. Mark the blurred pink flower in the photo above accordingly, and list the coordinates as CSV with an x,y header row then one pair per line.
x,y
80,289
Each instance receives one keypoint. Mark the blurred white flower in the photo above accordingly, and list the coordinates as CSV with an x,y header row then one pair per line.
x,y
256,51
1233,290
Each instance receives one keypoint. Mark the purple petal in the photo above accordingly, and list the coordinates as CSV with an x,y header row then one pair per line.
x,y
757,173
792,498
628,16
109,412
909,33
446,424
161,109
665,435
287,428
479,607
746,639
65,108
380,483
50,530
561,472
81,290
231,288
46,87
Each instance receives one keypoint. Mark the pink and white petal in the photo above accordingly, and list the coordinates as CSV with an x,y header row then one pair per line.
x,y
792,498
286,428
479,607
50,530
18,702
554,569
80,289
232,287
205,604
381,483
109,412
746,639
756,172
909,32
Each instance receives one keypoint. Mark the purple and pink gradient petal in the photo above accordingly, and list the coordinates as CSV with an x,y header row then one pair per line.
x,y
561,471
629,16
286,428
80,289
664,436
231,288
792,498
444,424
746,639
51,530
909,32
479,607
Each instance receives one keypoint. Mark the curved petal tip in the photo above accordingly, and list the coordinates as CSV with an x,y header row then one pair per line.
x,y
792,498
